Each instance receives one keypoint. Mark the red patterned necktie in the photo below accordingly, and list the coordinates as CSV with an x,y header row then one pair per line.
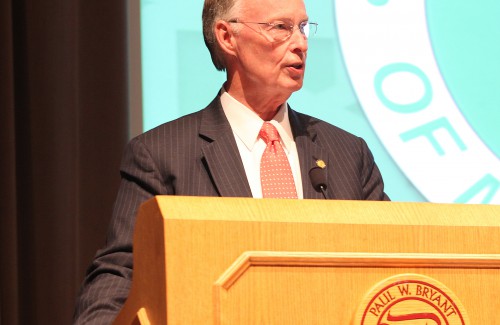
x,y
275,173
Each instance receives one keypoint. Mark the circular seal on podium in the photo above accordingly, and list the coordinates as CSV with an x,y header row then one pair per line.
x,y
411,299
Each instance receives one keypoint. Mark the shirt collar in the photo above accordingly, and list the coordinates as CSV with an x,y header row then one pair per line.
x,y
246,124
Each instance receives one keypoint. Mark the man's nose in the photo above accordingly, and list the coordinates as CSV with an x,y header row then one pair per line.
x,y
299,40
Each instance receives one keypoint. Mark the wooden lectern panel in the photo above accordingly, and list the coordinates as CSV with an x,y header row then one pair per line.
x,y
277,287
324,258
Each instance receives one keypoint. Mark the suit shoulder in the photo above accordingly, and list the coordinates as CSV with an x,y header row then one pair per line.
x,y
324,129
184,126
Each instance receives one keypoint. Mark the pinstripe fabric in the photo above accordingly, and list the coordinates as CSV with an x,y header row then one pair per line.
x,y
197,155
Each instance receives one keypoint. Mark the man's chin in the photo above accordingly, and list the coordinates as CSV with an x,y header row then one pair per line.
x,y
296,85
288,87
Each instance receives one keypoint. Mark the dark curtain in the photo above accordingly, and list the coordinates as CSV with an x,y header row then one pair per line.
x,y
63,126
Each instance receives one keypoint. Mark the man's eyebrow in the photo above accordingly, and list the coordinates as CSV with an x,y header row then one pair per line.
x,y
271,19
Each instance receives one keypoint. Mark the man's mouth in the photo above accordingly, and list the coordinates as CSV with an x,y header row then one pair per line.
x,y
297,66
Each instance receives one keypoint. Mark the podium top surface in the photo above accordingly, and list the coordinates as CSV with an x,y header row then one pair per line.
x,y
325,211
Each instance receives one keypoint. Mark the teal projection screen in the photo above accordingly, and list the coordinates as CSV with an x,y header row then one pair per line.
x,y
418,80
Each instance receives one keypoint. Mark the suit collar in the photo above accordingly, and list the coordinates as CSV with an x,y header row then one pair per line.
x,y
222,160
309,151
220,154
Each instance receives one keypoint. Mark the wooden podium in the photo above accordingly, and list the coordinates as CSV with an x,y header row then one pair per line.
x,y
264,261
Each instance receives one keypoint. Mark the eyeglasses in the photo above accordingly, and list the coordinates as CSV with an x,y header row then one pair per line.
x,y
280,31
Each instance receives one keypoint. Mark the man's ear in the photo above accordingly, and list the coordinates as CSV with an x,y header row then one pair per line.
x,y
225,36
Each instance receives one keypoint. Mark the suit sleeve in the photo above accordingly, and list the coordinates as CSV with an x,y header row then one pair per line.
x,y
371,178
108,279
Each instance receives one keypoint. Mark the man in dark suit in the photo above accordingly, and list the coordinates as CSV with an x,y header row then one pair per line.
x,y
262,45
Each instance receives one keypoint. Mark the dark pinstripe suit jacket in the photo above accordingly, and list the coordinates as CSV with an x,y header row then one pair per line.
x,y
197,155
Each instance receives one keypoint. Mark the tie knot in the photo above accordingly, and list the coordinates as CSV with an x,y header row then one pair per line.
x,y
269,133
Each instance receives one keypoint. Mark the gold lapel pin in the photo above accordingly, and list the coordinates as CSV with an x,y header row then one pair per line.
x,y
320,163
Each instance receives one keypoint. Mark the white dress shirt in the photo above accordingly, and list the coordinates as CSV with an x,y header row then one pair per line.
x,y
246,125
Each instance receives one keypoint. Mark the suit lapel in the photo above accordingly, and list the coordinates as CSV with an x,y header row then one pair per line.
x,y
308,151
222,158
221,155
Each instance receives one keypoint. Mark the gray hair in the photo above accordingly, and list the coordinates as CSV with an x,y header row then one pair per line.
x,y
214,10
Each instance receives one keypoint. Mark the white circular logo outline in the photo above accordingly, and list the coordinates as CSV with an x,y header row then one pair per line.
x,y
392,67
